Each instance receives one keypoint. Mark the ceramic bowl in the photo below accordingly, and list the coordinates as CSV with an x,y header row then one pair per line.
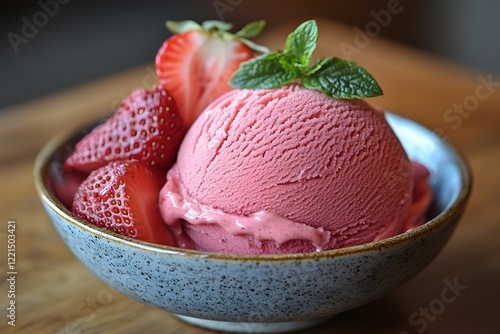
x,y
265,293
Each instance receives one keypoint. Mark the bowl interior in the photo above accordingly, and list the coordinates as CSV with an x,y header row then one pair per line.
x,y
449,174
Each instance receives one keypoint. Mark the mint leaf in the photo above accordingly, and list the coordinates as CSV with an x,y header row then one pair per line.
x,y
333,76
318,65
342,79
302,42
264,71
287,60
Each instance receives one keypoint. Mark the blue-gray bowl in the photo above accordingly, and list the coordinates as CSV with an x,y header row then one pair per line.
x,y
267,293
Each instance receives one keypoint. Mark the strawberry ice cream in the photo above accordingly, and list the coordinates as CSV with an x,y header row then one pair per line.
x,y
292,160
290,170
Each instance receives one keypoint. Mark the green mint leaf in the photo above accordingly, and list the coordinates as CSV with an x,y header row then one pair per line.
x,y
252,29
334,77
288,61
262,72
318,64
302,42
342,79
293,63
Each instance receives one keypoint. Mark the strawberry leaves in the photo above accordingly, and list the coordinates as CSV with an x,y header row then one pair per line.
x,y
223,29
333,76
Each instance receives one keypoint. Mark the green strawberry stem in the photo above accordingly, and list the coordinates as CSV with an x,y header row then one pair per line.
x,y
251,30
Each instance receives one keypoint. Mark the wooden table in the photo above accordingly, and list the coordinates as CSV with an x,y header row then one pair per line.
x,y
57,294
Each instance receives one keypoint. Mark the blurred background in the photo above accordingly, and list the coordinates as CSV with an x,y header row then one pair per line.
x,y
48,45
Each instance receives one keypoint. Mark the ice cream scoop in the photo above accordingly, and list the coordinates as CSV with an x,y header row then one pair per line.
x,y
288,170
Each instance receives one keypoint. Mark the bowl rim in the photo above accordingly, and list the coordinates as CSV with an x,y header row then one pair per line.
x,y
41,169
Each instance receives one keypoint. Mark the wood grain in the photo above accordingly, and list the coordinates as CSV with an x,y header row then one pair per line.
x,y
56,294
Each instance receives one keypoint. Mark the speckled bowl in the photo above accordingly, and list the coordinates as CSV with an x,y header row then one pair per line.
x,y
265,293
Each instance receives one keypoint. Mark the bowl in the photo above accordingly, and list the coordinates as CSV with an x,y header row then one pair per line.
x,y
266,293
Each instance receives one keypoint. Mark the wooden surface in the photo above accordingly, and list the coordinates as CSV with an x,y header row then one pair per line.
x,y
56,294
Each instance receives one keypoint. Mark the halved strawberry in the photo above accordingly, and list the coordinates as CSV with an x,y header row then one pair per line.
x,y
196,64
123,197
146,127
64,182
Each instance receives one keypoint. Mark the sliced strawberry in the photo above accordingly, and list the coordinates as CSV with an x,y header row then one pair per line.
x,y
196,64
123,197
65,182
146,127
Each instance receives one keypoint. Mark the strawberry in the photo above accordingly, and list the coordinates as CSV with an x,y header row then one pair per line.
x,y
123,197
196,64
65,182
146,127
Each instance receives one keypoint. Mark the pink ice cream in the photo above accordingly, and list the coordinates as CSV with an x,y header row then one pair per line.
x,y
290,170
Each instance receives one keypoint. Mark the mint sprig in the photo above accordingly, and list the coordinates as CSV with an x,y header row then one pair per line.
x,y
264,71
333,76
